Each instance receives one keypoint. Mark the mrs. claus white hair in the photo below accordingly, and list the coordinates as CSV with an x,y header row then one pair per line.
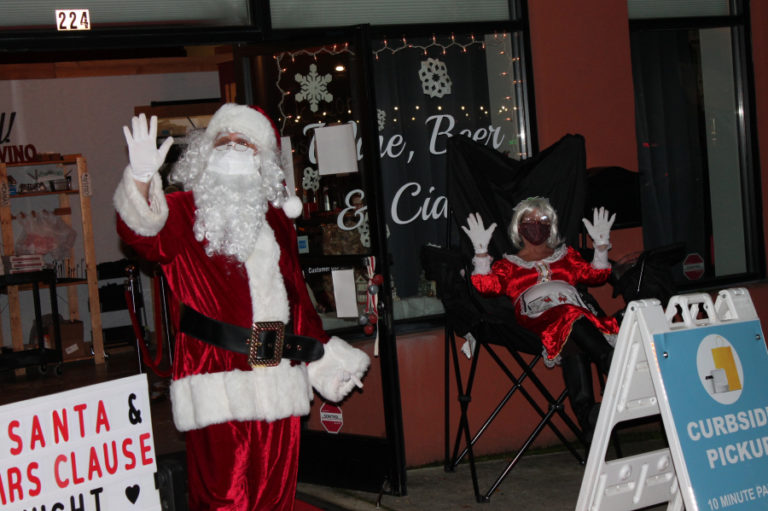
x,y
545,209
232,209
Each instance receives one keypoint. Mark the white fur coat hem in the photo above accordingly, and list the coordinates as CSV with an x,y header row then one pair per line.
x,y
262,394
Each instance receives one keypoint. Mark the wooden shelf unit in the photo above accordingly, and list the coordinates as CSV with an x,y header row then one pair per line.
x,y
83,191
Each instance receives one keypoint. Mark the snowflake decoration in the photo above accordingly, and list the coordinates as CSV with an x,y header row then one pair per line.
x,y
435,81
311,179
381,118
314,87
364,230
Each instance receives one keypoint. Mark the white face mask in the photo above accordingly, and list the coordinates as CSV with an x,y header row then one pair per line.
x,y
233,163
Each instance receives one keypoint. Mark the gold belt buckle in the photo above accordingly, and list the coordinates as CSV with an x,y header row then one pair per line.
x,y
255,343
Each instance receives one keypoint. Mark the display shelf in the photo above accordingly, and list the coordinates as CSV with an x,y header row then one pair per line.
x,y
42,194
83,192
59,283
40,356
67,159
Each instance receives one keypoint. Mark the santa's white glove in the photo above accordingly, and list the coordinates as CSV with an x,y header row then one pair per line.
x,y
145,157
339,370
478,235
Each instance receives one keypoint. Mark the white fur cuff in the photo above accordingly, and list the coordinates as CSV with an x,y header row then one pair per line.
x,y
600,259
263,394
551,362
144,218
482,265
339,370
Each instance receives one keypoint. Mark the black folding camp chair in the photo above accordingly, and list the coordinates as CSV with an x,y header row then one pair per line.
x,y
481,180
469,315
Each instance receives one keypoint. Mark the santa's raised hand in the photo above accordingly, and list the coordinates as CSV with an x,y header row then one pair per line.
x,y
144,155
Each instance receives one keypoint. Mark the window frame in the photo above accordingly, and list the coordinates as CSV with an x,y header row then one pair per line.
x,y
749,165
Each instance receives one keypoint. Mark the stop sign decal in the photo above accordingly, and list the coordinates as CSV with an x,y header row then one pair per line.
x,y
693,266
331,418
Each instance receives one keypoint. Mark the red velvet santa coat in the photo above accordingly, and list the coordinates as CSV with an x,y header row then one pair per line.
x,y
214,391
512,276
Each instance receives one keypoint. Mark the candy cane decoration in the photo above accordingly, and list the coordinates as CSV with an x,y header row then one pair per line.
x,y
371,316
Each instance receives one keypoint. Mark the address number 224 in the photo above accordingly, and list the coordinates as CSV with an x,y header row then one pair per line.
x,y
73,19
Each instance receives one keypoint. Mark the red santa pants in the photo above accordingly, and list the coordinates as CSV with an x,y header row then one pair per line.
x,y
243,466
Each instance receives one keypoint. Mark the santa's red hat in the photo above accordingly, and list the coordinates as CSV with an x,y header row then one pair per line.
x,y
252,122
249,121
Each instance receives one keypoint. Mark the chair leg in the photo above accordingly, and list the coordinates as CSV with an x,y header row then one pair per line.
x,y
555,405
560,409
546,420
550,398
464,399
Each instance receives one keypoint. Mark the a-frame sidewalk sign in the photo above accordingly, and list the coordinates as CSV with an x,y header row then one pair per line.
x,y
703,367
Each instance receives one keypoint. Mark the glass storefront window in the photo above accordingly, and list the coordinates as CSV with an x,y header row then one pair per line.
x,y
641,9
697,174
428,90
335,13
314,88
109,13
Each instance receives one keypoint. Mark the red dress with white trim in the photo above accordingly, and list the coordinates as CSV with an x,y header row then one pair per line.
x,y
546,301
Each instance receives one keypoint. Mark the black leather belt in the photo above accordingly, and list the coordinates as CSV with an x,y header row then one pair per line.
x,y
265,343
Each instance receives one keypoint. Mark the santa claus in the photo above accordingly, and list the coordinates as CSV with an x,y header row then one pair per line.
x,y
250,346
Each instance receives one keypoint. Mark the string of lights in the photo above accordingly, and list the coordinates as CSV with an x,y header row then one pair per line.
x,y
508,69
499,43
403,44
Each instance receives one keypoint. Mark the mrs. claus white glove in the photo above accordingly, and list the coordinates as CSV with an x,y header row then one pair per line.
x,y
145,157
478,235
600,232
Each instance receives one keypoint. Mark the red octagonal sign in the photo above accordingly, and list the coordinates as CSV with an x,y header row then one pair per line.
x,y
331,418
693,266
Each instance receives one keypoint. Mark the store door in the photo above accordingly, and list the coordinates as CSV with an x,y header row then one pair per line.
x,y
321,83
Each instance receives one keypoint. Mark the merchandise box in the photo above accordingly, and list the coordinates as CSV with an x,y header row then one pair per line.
x,y
72,344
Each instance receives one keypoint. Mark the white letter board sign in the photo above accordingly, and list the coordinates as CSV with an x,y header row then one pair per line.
x,y
704,368
89,448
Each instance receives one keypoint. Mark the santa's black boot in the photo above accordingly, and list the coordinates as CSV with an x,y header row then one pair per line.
x,y
577,374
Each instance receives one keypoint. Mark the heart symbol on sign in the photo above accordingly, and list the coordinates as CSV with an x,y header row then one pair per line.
x,y
132,493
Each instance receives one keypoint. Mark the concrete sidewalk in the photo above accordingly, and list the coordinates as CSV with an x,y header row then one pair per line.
x,y
529,486
547,481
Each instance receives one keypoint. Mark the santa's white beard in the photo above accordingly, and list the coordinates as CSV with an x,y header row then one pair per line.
x,y
230,213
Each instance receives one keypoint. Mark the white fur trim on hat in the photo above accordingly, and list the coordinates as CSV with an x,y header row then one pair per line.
x,y
262,394
234,118
145,218
293,207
